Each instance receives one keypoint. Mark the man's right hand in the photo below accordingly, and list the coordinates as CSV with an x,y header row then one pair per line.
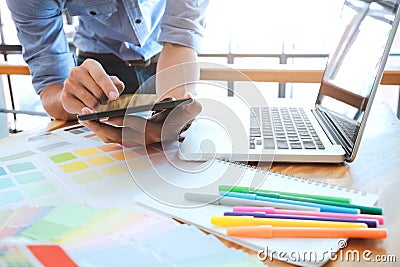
x,y
88,85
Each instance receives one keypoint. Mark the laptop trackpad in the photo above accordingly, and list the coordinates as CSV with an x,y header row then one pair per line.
x,y
207,138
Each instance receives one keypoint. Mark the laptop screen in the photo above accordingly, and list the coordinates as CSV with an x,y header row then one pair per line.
x,y
355,68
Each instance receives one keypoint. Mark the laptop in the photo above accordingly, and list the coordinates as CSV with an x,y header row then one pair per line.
x,y
332,129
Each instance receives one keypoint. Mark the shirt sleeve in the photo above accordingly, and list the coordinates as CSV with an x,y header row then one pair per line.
x,y
45,47
183,23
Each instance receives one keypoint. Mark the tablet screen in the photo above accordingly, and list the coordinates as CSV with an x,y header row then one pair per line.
x,y
170,104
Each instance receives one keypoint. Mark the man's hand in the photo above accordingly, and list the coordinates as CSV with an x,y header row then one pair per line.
x,y
88,85
134,130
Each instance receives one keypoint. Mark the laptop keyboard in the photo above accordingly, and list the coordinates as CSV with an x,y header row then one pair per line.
x,y
351,129
282,128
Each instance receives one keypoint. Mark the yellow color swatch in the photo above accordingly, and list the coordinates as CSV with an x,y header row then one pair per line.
x,y
87,152
86,177
121,155
74,166
113,170
101,160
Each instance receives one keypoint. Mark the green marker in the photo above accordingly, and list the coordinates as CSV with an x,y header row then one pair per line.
x,y
363,209
242,189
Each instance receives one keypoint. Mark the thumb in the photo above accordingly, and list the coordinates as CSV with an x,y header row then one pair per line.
x,y
193,108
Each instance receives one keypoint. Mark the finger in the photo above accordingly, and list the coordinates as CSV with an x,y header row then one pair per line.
x,y
188,95
183,115
90,85
100,76
160,116
194,107
80,76
86,97
120,87
106,132
71,104
178,121
110,134
81,85
192,110
122,135
118,83
117,121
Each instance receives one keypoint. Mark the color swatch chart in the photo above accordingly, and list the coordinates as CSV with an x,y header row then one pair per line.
x,y
24,177
70,234
69,164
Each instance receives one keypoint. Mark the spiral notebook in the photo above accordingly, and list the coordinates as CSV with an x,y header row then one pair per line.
x,y
302,252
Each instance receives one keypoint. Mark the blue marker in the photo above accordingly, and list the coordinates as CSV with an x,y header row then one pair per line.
x,y
323,208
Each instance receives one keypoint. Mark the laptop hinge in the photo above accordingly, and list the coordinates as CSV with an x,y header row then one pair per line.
x,y
334,135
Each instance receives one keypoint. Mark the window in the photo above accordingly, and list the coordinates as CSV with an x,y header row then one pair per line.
x,y
251,32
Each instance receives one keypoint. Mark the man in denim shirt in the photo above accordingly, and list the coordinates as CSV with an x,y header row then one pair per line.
x,y
115,39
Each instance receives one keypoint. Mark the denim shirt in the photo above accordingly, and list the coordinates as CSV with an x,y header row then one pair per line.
x,y
130,29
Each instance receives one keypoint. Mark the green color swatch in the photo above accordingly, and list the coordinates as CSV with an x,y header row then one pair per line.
x,y
29,177
36,190
58,221
62,157
19,167
44,230
70,214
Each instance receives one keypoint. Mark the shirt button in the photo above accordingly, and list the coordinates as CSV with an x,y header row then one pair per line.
x,y
138,21
93,13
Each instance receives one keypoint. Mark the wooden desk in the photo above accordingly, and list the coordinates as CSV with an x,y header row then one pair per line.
x,y
376,169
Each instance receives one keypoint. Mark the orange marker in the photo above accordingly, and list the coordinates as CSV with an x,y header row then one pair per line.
x,y
267,231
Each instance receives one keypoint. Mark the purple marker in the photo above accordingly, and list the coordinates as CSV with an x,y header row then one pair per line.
x,y
270,210
369,223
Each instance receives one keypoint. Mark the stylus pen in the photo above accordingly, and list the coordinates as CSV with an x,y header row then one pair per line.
x,y
269,210
226,221
243,189
266,231
323,208
369,223
233,201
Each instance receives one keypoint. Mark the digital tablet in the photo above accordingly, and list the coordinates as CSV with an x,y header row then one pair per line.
x,y
170,104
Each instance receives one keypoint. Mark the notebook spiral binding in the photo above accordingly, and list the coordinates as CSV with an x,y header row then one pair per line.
x,y
296,178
